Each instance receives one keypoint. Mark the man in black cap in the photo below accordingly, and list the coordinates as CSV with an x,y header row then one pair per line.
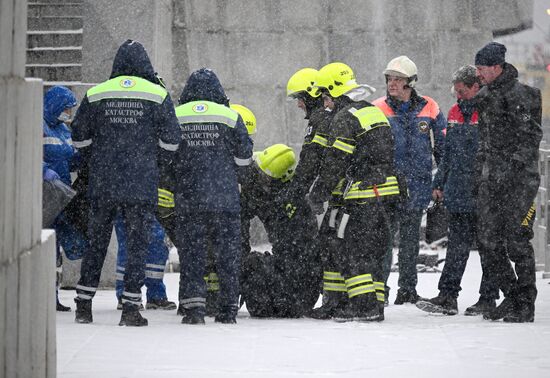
x,y
508,179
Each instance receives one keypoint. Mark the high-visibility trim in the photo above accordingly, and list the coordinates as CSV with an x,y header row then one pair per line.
x,y
206,112
119,276
212,276
164,203
131,301
82,143
321,140
380,291
131,295
52,141
342,228
389,188
383,105
343,146
165,198
332,218
130,87
154,275
69,142
363,289
165,193
168,146
84,296
331,286
243,162
430,110
337,191
193,302
359,279
381,297
333,276
370,117
155,266
86,288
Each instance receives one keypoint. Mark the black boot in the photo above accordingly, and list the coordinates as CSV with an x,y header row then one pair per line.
x,y
60,308
406,296
442,304
363,308
83,313
333,301
523,312
192,316
160,304
131,317
482,306
505,309
119,305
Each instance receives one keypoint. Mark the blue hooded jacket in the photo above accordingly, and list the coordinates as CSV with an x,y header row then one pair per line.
x,y
59,152
206,173
122,135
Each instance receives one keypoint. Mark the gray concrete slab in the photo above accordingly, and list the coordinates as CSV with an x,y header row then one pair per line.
x,y
12,320
39,298
3,316
25,315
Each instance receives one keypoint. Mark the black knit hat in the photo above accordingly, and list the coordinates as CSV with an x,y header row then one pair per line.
x,y
491,54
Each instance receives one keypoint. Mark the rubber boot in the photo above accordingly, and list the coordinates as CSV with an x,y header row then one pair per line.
x,y
332,302
83,313
131,317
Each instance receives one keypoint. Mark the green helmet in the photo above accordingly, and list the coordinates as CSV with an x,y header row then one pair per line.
x,y
277,161
338,78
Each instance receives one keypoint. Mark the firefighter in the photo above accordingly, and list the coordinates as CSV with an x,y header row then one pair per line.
x,y
414,119
120,125
285,281
361,154
206,194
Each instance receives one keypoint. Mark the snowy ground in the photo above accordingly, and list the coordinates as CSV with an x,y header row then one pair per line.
x,y
410,343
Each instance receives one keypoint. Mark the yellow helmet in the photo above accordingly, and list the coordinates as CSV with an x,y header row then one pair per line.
x,y
337,77
277,161
248,117
302,81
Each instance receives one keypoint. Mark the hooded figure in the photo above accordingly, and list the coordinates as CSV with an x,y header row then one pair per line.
x,y
58,146
215,144
120,126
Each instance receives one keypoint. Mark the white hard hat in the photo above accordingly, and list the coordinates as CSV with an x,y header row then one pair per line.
x,y
402,66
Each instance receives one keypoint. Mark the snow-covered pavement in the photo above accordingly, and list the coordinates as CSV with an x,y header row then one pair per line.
x,y
409,343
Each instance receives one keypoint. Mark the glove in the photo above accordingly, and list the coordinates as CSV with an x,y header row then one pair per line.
x,y
50,175
316,204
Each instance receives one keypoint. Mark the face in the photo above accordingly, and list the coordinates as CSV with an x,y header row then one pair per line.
x,y
301,104
66,115
328,102
463,92
488,74
397,88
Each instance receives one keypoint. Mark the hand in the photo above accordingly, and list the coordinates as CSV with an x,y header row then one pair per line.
x,y
51,175
437,195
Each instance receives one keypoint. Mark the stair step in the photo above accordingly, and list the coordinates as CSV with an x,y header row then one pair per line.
x,y
55,1
54,23
49,55
54,10
55,72
55,38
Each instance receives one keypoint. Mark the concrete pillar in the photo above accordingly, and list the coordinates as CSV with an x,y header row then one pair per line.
x,y
27,256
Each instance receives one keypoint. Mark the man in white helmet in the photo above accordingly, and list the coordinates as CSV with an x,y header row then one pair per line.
x,y
413,119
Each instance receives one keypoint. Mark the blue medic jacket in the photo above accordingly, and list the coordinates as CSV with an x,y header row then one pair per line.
x,y
121,124
215,144
59,152
456,173
411,124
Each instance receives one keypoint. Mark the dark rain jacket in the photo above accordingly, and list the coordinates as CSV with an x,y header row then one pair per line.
x,y
510,132
411,127
456,172
213,147
123,122
292,273
59,153
360,154
314,147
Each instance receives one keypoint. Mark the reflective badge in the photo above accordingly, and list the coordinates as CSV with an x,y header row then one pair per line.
x,y
423,127
127,83
200,108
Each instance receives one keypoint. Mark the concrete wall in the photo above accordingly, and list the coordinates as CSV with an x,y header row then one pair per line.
x,y
27,256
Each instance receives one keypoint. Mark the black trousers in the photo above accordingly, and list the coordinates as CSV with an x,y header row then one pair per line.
x,y
505,228
138,223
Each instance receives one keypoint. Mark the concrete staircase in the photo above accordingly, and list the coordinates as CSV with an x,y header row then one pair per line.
x,y
54,41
